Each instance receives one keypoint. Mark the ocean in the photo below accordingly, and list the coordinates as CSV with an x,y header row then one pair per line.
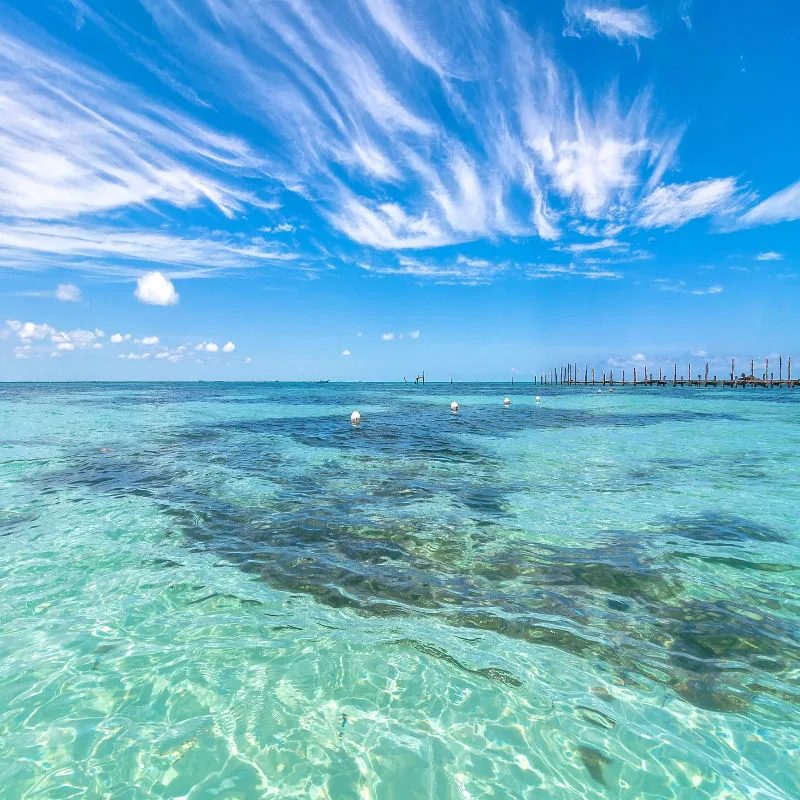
x,y
213,590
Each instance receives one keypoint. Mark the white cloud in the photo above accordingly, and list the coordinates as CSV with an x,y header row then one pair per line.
x,y
284,227
75,141
699,353
709,290
118,337
97,346
387,337
28,331
248,360
335,89
162,355
228,347
150,340
153,288
134,356
586,247
552,271
66,346
208,347
638,357
621,24
769,256
120,251
68,293
414,334
782,206
345,352
676,204
469,271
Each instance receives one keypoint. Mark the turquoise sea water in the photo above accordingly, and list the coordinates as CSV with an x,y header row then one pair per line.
x,y
227,591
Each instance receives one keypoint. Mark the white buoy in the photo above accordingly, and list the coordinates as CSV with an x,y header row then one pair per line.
x,y
610,390
599,391
538,399
507,402
355,418
454,406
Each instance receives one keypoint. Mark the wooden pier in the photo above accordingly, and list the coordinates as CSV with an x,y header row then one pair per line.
x,y
568,375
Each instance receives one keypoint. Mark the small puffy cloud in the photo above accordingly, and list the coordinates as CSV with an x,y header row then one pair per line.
x,y
98,333
28,331
116,338
769,256
248,360
414,334
639,357
68,293
98,346
387,337
229,347
162,355
66,346
150,340
208,347
134,356
55,355
699,353
156,290
345,352
710,290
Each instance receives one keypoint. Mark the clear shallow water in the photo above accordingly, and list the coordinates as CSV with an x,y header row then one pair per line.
x,y
597,596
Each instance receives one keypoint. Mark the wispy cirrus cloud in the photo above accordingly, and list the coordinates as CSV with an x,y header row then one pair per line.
x,y
124,251
624,25
670,206
769,256
74,141
337,93
783,206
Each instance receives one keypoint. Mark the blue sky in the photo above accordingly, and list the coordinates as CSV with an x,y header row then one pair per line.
x,y
362,189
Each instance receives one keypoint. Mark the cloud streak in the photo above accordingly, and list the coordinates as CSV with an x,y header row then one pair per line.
x,y
336,92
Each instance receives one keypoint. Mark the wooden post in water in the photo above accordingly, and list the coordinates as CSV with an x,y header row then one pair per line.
x,y
789,371
586,375
634,376
623,377
592,376
780,371
611,376
706,373
674,375
752,368
690,374
766,370
604,377
733,369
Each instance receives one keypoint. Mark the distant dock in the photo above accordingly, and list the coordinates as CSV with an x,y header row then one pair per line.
x,y
569,375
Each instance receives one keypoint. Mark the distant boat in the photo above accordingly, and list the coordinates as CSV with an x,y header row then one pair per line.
x,y
320,381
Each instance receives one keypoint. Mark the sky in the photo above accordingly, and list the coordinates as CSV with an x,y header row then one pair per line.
x,y
365,189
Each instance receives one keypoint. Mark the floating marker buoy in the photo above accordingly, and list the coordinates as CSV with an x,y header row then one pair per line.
x,y
507,402
610,390
599,391
538,399
355,418
454,406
